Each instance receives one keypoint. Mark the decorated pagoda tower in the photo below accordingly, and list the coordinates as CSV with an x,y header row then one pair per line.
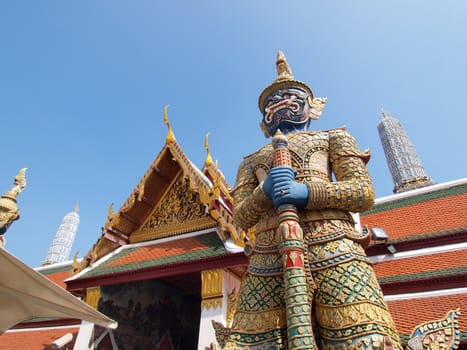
x,y
404,164
60,248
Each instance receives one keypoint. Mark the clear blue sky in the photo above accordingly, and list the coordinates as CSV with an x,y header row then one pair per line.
x,y
83,85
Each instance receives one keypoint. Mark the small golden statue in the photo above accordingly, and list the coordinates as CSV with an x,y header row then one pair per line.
x,y
9,212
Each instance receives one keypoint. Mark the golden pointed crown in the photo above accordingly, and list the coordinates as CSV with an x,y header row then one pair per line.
x,y
284,79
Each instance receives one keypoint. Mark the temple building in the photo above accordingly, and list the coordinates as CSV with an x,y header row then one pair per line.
x,y
169,261
419,253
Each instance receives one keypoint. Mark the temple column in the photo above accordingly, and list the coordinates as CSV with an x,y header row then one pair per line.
x,y
217,291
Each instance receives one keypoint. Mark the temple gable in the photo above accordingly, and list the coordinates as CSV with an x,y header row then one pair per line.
x,y
179,211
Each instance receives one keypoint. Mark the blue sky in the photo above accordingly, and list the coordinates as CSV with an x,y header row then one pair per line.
x,y
83,85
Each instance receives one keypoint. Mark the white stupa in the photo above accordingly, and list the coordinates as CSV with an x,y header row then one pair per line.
x,y
60,249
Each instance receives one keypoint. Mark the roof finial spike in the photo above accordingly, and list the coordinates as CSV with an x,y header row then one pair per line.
x,y
208,161
76,208
112,218
283,69
384,113
170,135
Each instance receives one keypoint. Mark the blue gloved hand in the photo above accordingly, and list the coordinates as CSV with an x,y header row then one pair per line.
x,y
290,192
280,186
277,175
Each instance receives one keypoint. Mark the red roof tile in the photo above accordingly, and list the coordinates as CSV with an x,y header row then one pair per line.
x,y
59,277
57,274
160,250
421,264
407,314
34,339
435,215
182,250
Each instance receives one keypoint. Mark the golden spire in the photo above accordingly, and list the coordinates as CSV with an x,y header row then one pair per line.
x,y
170,135
208,161
76,208
283,69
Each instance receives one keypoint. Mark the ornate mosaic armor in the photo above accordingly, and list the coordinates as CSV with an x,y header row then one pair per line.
x,y
348,307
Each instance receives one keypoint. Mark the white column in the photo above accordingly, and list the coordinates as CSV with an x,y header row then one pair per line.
x,y
216,285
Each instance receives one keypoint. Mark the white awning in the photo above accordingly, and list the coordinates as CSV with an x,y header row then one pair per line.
x,y
26,294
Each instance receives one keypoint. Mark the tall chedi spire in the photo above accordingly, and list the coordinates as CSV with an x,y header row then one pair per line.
x,y
406,168
60,249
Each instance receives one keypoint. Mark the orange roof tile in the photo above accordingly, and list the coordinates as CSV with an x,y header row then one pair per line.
x,y
57,274
407,314
160,250
59,277
420,264
179,251
435,215
34,339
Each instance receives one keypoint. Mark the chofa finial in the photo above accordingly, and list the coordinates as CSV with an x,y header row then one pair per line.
x,y
170,135
208,161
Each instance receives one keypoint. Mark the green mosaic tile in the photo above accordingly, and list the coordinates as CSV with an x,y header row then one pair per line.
x,y
53,270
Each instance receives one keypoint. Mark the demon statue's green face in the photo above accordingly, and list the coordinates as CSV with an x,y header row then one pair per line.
x,y
287,109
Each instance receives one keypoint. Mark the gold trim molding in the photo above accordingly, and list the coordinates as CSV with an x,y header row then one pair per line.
x,y
211,303
173,230
92,296
348,315
211,289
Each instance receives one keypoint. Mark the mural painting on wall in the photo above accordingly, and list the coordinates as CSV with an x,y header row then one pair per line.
x,y
152,315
